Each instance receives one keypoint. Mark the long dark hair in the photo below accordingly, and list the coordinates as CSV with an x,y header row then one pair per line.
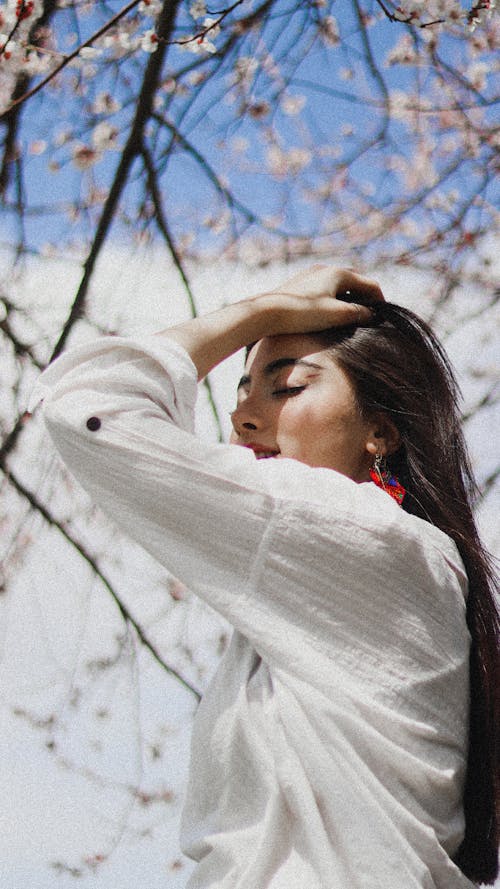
x,y
398,367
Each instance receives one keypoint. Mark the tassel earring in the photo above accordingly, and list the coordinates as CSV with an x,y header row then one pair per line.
x,y
383,478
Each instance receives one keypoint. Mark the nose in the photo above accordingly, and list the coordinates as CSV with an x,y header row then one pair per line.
x,y
246,416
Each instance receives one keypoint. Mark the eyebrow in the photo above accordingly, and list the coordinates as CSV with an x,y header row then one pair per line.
x,y
277,365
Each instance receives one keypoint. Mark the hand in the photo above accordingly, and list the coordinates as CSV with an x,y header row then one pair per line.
x,y
307,302
315,300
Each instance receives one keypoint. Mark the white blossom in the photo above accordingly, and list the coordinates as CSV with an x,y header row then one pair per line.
x,y
329,30
244,70
89,52
168,86
219,223
282,163
149,41
403,53
240,144
104,136
347,129
292,105
212,25
61,138
198,9
38,147
105,103
83,156
37,63
150,7
196,78
198,45
10,48
476,74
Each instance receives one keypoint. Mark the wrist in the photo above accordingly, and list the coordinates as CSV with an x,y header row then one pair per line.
x,y
209,339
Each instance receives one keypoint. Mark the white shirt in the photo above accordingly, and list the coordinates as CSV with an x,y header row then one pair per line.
x,y
330,749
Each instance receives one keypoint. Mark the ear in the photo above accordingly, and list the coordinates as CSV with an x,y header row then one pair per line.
x,y
383,437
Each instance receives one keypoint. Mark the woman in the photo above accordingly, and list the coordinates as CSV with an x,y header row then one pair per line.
x,y
347,741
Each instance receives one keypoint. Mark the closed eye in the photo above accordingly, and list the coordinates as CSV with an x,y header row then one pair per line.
x,y
289,390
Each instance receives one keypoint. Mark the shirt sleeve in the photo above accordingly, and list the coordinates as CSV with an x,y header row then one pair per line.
x,y
121,414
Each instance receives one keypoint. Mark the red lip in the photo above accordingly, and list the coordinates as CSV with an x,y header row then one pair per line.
x,y
260,449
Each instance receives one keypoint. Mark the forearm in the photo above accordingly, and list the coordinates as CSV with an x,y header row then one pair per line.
x,y
310,301
211,338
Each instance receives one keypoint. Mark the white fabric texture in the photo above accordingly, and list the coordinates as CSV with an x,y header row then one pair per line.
x,y
329,751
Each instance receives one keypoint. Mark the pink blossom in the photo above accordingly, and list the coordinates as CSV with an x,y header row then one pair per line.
x,y
83,156
329,30
149,41
292,105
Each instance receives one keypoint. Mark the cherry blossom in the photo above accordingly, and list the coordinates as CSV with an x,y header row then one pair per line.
x,y
292,105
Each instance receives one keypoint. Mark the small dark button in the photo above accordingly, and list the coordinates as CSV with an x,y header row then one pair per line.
x,y
93,423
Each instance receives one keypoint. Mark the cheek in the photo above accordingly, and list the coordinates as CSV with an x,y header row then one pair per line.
x,y
320,424
305,422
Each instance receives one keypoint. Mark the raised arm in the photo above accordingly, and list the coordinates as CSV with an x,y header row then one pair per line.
x,y
312,300
120,412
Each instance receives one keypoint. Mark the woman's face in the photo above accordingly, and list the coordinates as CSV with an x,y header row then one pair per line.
x,y
294,401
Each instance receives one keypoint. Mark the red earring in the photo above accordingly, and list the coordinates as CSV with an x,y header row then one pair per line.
x,y
384,479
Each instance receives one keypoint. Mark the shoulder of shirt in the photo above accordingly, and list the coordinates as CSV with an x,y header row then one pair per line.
x,y
360,504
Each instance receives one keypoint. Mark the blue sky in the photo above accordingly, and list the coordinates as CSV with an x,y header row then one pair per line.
x,y
212,125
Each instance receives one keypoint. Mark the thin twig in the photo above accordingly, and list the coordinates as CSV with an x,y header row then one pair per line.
x,y
124,611
491,398
162,224
200,35
131,150
20,348
410,19
67,59
489,482
15,27
11,119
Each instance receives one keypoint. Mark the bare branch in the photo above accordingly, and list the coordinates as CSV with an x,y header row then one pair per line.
x,y
90,560
202,33
161,221
11,438
20,348
489,399
489,482
408,20
67,59
15,27
11,119
131,150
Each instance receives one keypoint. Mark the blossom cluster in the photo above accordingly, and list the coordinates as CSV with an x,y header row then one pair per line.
x,y
280,129
429,12
16,20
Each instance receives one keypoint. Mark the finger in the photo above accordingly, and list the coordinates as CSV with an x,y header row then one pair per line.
x,y
356,288
356,314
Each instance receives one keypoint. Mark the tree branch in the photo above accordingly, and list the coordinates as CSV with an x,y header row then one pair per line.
x,y
410,19
162,224
67,59
20,348
11,118
130,152
124,611
489,482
